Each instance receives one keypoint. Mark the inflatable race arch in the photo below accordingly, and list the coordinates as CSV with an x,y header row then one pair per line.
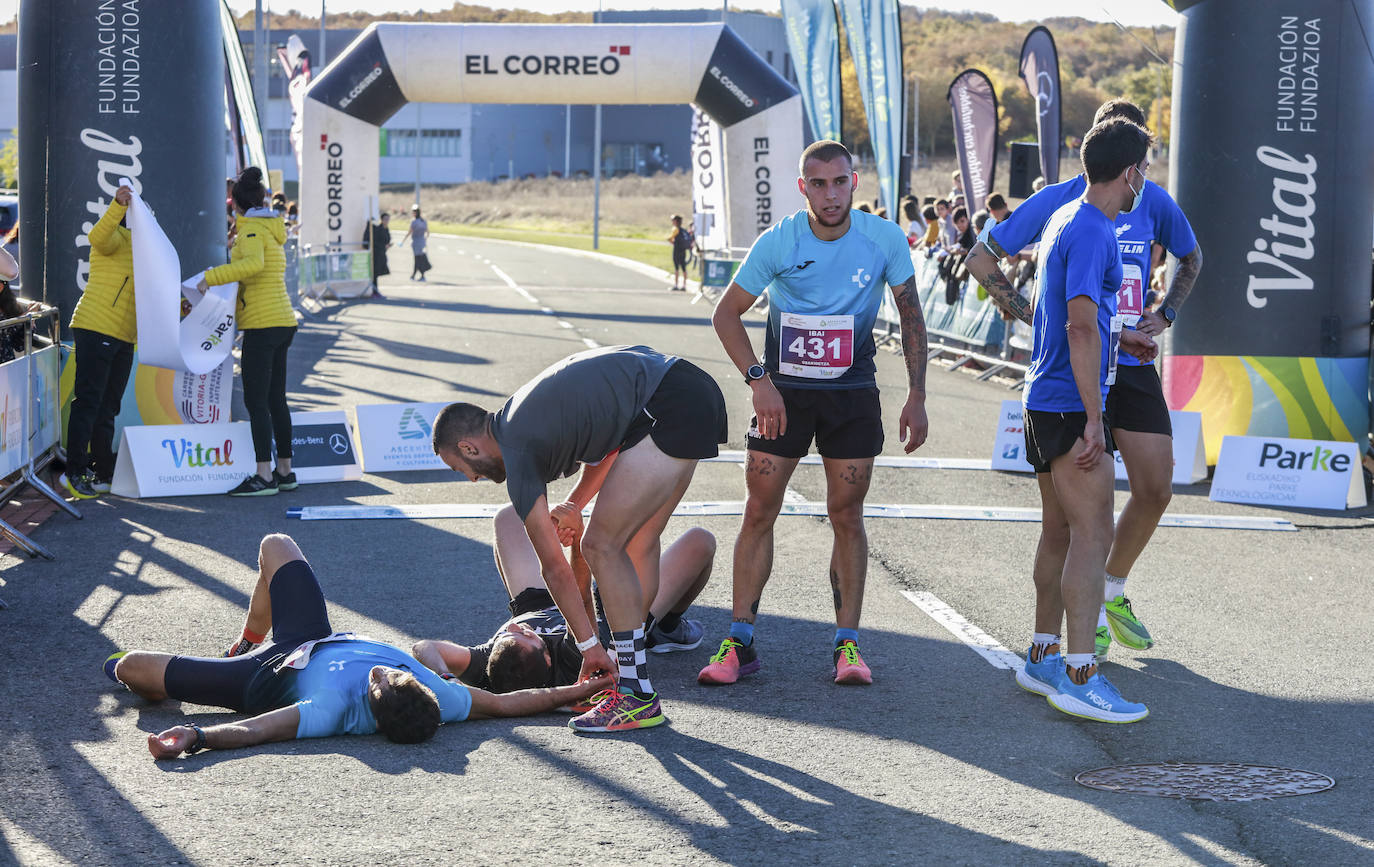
x,y
391,64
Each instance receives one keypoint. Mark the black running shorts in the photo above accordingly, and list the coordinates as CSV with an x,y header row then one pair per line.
x,y
247,683
846,424
1051,434
1136,402
685,415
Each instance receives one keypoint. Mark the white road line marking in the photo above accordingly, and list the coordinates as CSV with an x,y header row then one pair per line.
x,y
505,278
563,323
548,310
591,344
983,644
795,505
736,456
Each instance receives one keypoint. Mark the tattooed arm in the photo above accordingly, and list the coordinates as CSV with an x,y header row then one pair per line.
x,y
914,350
982,264
1185,275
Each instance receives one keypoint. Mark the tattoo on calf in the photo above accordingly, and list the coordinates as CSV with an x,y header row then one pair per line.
x,y
835,589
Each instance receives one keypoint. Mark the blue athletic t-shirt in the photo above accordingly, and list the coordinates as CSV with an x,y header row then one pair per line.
x,y
1159,218
331,691
824,297
1079,257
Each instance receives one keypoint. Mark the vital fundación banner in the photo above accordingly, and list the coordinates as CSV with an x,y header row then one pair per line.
x,y
975,134
873,28
1278,344
814,39
708,182
1040,71
200,342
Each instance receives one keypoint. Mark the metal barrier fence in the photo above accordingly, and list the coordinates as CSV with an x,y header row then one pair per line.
x,y
333,271
30,384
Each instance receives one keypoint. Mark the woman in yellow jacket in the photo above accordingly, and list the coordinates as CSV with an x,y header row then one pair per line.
x,y
268,324
104,327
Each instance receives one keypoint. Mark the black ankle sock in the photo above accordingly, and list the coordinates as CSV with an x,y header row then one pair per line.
x,y
669,622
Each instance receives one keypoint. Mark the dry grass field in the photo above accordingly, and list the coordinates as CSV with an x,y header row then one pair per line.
x,y
635,210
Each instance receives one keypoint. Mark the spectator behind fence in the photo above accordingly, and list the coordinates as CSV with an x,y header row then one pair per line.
x,y
418,233
11,305
932,236
915,226
684,241
376,238
997,207
268,325
104,328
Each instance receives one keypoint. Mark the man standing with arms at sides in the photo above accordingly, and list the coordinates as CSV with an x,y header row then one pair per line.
x,y
637,421
826,266
1073,363
1136,410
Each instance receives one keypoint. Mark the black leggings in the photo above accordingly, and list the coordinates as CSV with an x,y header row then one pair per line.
x,y
264,389
102,372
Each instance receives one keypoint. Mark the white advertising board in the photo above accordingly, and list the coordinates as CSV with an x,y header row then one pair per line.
x,y
1274,471
1009,449
396,436
179,460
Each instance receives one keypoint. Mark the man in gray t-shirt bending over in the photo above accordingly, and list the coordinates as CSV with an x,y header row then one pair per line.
x,y
636,421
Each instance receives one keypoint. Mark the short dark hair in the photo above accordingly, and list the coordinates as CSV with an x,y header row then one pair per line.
x,y
929,213
863,206
959,214
1122,108
457,422
910,209
249,191
406,710
824,150
939,202
513,666
1111,147
677,218
995,202
980,219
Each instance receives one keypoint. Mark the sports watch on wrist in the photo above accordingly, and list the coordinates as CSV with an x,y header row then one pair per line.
x,y
755,372
1169,314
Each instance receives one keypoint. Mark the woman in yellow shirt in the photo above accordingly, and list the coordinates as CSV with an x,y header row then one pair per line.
x,y
104,327
268,325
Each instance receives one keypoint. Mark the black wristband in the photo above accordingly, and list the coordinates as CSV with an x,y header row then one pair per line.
x,y
200,743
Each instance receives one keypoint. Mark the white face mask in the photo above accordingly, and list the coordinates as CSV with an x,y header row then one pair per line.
x,y
1139,194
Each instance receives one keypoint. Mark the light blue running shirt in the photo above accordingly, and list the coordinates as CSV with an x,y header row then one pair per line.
x,y
331,691
824,297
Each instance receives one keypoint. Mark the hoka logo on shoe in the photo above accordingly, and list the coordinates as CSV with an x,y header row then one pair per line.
x,y
1099,700
413,426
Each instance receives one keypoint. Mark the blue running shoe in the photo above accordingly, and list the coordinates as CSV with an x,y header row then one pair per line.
x,y
1096,700
110,662
1041,678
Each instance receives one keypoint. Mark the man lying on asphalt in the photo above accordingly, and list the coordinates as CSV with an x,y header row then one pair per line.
x,y
309,681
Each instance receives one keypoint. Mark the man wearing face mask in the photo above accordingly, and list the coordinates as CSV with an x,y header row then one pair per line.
x,y
1136,410
1074,361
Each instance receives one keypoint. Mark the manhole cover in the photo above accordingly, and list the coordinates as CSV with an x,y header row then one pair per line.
x,y
1206,781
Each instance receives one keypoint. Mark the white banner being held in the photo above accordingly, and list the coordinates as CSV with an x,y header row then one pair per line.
x,y
197,344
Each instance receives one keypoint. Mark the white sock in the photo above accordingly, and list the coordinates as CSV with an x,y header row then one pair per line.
x,y
1113,587
1044,638
1078,660
1101,617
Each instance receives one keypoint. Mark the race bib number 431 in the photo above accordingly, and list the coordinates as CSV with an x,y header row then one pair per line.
x,y
816,347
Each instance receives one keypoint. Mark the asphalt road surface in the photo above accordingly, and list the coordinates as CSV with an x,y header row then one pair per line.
x,y
943,759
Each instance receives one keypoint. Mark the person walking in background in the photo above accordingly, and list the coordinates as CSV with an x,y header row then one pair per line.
x,y
268,325
418,233
376,238
104,327
683,241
